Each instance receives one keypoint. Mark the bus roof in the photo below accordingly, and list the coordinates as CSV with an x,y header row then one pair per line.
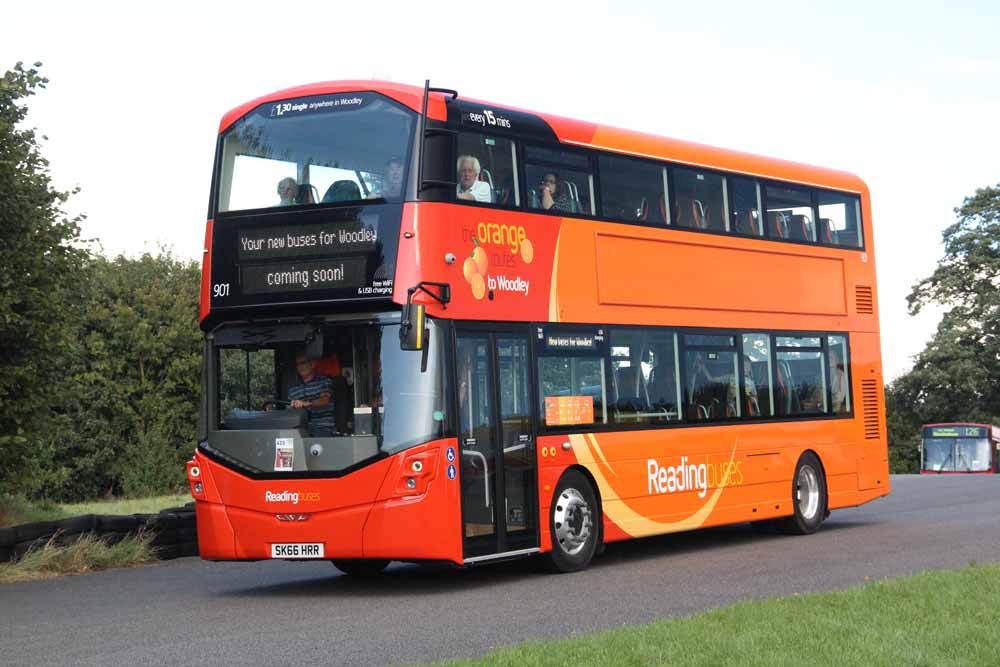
x,y
586,134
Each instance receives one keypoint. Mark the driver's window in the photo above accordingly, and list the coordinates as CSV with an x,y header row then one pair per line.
x,y
246,379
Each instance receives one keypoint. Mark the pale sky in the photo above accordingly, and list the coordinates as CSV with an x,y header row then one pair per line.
x,y
905,95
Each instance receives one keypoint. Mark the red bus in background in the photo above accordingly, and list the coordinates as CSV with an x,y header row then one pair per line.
x,y
959,448
443,329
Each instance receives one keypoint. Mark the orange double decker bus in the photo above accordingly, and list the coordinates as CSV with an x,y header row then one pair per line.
x,y
442,329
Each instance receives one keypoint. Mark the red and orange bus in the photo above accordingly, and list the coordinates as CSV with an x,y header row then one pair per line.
x,y
959,448
444,329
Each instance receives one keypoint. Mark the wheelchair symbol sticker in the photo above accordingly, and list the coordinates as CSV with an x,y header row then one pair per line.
x,y
450,454
451,471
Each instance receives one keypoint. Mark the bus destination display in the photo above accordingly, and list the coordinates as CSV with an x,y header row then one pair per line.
x,y
301,276
324,255
320,240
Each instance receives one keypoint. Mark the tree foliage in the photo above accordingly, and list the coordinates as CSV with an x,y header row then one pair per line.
x,y
127,422
99,358
957,376
39,267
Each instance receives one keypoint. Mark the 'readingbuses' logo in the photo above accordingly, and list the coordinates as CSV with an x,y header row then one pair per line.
x,y
292,497
506,244
692,477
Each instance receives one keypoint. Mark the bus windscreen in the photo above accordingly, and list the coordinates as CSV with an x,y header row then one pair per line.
x,y
323,149
328,401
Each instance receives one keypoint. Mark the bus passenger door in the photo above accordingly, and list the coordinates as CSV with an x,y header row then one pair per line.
x,y
496,438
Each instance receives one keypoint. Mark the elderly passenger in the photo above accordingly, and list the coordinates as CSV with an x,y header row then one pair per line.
x,y
469,186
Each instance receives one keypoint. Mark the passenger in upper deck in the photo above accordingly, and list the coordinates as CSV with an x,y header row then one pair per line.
x,y
469,186
288,190
554,194
392,180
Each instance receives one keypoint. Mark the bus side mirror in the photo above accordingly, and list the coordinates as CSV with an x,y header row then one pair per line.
x,y
412,335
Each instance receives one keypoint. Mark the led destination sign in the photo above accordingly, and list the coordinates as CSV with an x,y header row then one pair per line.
x,y
304,276
956,432
320,240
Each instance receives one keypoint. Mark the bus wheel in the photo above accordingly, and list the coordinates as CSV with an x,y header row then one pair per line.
x,y
574,524
808,497
361,567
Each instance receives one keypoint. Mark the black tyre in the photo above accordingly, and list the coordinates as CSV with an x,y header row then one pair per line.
x,y
574,524
809,498
369,567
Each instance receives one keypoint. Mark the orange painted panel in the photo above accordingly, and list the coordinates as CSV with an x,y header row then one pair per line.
x,y
632,271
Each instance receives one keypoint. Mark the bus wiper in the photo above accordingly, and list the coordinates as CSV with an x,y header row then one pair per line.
x,y
946,459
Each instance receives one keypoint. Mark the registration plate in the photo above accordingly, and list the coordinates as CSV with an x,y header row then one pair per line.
x,y
297,550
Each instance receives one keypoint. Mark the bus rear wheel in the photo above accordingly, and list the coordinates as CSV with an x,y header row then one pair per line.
x,y
809,497
574,524
361,567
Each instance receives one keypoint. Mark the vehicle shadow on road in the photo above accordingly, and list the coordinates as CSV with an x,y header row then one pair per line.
x,y
708,539
401,579
407,579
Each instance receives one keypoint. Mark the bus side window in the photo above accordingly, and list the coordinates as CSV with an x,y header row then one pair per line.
x,y
701,200
558,181
491,170
632,190
790,213
840,216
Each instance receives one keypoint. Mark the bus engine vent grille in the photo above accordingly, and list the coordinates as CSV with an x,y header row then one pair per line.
x,y
869,401
864,300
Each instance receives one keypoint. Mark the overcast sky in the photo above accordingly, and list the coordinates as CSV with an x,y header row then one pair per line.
x,y
905,95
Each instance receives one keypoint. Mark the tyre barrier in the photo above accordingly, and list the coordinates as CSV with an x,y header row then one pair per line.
x,y
174,531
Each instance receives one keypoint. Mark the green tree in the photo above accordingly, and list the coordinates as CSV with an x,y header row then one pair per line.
x,y
130,417
957,376
40,264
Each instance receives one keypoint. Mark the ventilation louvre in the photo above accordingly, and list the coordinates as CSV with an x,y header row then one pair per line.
x,y
864,300
869,403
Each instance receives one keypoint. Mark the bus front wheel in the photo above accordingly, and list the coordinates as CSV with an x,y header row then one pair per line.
x,y
809,497
361,567
574,524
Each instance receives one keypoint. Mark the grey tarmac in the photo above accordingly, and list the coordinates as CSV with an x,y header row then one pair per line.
x,y
189,612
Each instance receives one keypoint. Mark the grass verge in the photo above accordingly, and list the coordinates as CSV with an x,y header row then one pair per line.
x,y
87,554
127,505
15,510
932,618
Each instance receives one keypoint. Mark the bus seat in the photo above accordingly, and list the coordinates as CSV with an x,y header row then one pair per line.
x,y
824,230
342,191
642,212
328,366
777,224
486,176
698,214
798,228
505,194
307,194
630,390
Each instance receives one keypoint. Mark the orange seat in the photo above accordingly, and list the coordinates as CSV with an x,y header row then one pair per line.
x,y
328,366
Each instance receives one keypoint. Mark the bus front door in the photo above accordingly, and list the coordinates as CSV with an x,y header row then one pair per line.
x,y
497,443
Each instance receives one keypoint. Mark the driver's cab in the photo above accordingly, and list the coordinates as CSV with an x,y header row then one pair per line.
x,y
341,417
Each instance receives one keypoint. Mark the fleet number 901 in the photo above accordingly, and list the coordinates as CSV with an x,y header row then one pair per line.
x,y
220,289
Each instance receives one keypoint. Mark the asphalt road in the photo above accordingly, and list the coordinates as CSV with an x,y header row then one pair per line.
x,y
189,612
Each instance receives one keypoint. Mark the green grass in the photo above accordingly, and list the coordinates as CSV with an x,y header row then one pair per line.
x,y
933,618
86,554
16,510
127,505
